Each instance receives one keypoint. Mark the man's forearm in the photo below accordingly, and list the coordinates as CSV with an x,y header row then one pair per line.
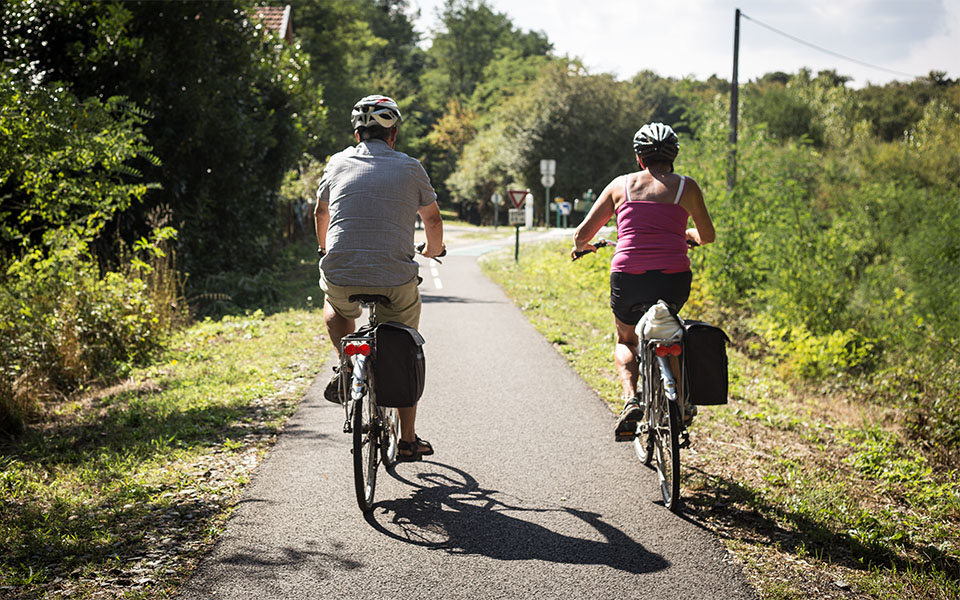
x,y
433,229
321,217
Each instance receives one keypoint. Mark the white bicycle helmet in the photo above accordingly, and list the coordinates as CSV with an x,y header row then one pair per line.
x,y
375,110
656,141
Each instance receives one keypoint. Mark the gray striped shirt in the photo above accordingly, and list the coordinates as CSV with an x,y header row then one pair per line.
x,y
374,193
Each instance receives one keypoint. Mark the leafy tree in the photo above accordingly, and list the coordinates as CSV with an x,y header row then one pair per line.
x,y
469,38
357,48
564,114
64,174
894,108
786,116
230,108
64,163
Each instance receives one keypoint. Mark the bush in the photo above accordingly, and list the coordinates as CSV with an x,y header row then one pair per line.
x,y
802,353
64,324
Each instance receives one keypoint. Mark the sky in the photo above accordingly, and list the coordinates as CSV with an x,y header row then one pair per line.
x,y
680,38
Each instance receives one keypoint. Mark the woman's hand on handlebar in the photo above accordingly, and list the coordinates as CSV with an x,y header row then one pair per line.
x,y
588,248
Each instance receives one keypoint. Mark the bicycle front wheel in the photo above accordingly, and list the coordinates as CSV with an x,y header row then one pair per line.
x,y
666,419
389,435
366,450
643,442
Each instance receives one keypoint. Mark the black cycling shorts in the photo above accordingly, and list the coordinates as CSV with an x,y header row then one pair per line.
x,y
632,294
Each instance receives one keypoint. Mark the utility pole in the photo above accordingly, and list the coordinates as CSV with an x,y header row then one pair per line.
x,y
734,106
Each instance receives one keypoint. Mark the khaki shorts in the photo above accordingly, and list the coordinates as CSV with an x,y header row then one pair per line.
x,y
404,304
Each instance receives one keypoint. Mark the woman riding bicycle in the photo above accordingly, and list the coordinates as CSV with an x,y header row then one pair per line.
x,y
652,207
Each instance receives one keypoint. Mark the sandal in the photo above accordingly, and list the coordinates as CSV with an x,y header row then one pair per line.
x,y
414,448
332,391
626,427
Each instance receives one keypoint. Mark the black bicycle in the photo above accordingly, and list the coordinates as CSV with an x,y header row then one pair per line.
x,y
662,431
374,427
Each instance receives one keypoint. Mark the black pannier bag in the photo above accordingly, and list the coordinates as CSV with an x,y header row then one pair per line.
x,y
399,367
705,363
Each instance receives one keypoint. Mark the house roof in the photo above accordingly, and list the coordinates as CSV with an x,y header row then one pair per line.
x,y
276,19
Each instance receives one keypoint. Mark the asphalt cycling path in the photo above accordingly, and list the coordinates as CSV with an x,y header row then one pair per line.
x,y
526,496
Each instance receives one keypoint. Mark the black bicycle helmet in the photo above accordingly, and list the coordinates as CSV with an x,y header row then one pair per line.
x,y
656,141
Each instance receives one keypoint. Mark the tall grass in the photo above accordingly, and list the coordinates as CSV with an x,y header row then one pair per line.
x,y
66,324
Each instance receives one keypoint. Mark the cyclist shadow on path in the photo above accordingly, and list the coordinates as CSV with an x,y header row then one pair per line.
x,y
450,511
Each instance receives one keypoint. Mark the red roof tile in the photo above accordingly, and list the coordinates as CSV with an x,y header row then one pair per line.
x,y
276,19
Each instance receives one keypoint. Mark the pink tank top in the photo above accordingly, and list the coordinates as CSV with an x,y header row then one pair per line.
x,y
651,236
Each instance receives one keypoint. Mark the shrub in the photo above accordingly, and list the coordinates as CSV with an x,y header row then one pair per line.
x,y
802,353
64,324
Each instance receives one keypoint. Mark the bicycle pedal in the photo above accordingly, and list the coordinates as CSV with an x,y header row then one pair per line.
x,y
684,441
624,437
347,428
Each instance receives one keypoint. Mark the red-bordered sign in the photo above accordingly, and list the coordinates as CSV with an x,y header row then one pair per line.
x,y
517,197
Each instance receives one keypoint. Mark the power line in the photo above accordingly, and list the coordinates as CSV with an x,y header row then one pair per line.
x,y
831,52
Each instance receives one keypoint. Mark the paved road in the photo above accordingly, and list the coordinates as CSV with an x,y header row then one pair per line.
x,y
527,495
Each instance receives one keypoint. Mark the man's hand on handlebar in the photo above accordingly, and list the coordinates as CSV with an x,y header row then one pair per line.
x,y
423,251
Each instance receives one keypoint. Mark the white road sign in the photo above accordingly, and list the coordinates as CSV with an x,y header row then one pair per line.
x,y
548,166
548,180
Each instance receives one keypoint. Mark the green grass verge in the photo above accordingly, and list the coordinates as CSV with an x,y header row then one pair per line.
x,y
819,494
117,493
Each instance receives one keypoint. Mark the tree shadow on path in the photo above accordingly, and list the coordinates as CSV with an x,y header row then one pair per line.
x,y
450,511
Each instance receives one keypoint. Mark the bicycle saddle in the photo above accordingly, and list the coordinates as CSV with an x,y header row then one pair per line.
x,y
369,299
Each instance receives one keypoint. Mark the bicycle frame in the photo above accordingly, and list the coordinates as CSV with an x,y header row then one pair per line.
x,y
667,377
659,430
357,365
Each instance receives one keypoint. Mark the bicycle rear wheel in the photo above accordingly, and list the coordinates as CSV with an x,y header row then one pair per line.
x,y
366,451
666,433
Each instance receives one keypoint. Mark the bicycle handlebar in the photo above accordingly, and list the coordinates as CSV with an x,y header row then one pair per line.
x,y
419,248
602,243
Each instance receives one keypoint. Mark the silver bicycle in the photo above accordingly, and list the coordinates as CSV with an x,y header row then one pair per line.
x,y
662,431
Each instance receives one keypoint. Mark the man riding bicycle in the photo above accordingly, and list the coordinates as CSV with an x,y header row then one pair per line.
x,y
650,263
368,201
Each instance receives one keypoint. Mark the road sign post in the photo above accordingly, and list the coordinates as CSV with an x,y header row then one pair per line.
x,y
548,170
558,202
563,210
517,214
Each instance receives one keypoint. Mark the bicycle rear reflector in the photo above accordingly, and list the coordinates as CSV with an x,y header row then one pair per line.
x,y
361,348
664,350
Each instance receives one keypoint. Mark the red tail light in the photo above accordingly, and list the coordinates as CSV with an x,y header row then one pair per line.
x,y
361,348
672,349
